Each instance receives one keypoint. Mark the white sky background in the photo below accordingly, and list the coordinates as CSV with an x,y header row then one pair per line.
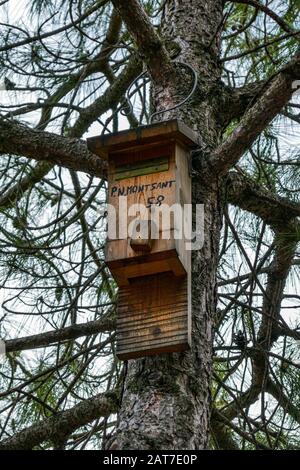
x,y
14,8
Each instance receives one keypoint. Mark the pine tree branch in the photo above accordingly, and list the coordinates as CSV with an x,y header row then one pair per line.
x,y
284,401
59,426
277,93
51,337
263,45
223,428
53,32
112,96
259,6
18,139
221,434
17,190
21,140
252,197
276,282
150,47
268,331
237,100
98,64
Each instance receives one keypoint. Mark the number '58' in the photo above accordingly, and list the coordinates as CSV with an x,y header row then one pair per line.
x,y
151,201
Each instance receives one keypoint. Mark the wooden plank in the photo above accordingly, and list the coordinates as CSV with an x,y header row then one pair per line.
x,y
136,314
125,329
153,316
173,344
144,167
143,259
146,342
138,153
183,190
141,321
162,131
150,351
142,326
124,275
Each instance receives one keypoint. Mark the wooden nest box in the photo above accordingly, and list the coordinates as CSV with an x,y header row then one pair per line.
x,y
149,167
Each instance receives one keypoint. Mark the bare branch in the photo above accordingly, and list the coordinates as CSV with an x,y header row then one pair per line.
x,y
221,434
151,48
266,106
62,424
285,402
252,197
237,100
20,140
63,334
14,193
53,32
267,11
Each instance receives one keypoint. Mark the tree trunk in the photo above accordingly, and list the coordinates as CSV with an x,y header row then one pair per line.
x,y
166,399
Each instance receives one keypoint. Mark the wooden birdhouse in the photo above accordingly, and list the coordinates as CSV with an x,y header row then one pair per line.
x,y
148,185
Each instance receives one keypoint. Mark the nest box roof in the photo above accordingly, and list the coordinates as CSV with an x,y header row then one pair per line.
x,y
161,132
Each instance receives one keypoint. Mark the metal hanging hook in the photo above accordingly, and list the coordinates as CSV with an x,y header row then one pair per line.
x,y
181,64
127,109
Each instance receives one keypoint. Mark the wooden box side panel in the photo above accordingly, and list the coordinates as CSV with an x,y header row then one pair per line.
x,y
183,196
153,316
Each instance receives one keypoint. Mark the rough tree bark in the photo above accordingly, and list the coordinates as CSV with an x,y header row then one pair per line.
x,y
166,398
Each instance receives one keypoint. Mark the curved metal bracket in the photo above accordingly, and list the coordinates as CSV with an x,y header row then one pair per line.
x,y
128,95
180,64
